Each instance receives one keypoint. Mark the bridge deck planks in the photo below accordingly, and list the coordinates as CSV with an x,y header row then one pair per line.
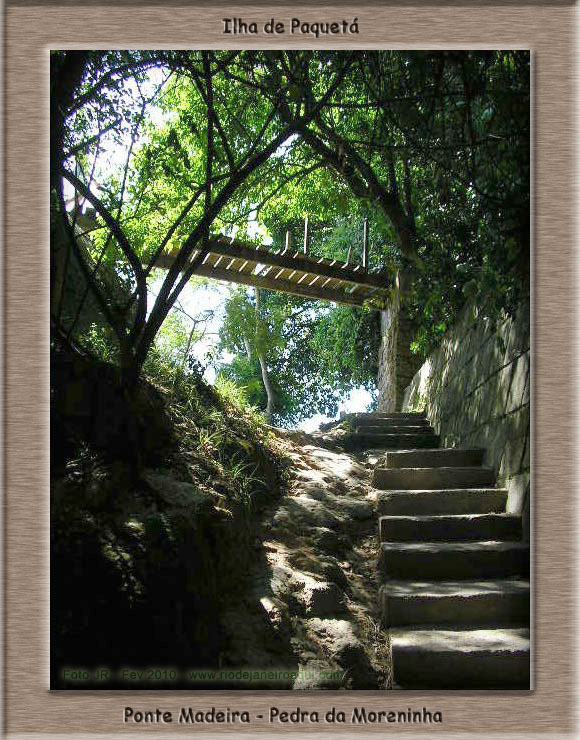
x,y
287,271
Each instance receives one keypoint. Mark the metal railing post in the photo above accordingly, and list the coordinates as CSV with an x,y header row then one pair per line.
x,y
306,234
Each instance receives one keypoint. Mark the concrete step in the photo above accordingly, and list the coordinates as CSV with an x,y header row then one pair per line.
x,y
450,527
453,560
442,501
499,601
438,458
356,440
402,421
432,478
394,429
401,417
388,423
446,658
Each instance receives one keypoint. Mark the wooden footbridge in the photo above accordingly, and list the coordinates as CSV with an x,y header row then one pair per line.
x,y
285,270
289,271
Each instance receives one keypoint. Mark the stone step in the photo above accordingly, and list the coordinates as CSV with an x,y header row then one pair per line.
x,y
453,560
499,601
413,421
432,458
450,527
399,416
387,424
442,501
446,658
394,429
396,441
432,478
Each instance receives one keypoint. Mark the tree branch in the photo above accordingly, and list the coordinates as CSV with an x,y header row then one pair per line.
x,y
123,242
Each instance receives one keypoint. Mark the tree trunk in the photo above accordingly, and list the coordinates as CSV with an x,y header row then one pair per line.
x,y
268,388
271,396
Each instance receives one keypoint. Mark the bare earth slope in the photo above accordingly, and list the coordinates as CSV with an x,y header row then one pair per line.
x,y
309,609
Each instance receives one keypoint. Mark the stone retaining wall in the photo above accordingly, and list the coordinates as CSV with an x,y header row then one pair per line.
x,y
475,389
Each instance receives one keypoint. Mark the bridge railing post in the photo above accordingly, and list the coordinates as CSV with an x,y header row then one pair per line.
x,y
288,241
306,234
366,243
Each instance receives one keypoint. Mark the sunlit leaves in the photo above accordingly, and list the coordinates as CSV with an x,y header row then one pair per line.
x,y
445,135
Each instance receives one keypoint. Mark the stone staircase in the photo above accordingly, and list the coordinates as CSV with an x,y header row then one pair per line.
x,y
455,591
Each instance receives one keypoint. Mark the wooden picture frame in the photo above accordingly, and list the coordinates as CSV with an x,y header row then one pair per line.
x,y
548,30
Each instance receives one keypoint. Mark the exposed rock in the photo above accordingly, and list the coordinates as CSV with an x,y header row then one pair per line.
x,y
322,599
318,674
328,540
341,644
359,510
333,572
315,491
320,548
328,632
281,578
178,493
306,510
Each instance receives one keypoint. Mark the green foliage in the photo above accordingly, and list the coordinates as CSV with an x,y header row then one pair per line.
x,y
242,378
432,146
446,138
345,343
99,341
316,354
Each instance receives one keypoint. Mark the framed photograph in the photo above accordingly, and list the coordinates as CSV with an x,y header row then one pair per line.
x,y
288,369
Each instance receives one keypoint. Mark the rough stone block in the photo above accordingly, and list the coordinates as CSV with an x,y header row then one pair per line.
x,y
485,436
317,674
518,333
520,372
518,487
323,599
526,393
520,420
488,361
499,432
471,387
337,638
479,398
525,464
513,453
455,602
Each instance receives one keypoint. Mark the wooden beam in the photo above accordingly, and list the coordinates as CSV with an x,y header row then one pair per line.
x,y
285,286
300,262
295,273
291,261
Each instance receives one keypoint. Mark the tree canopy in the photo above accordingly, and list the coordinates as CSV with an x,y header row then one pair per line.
x,y
165,147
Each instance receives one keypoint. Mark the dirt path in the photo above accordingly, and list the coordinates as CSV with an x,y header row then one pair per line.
x,y
310,607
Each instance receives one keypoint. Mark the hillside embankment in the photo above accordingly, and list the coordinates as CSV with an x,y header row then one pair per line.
x,y
194,547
